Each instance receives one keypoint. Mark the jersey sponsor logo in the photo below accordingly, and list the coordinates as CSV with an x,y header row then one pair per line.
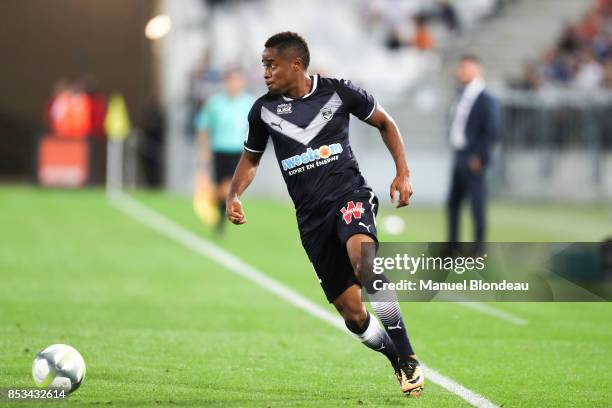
x,y
284,108
352,210
327,113
319,156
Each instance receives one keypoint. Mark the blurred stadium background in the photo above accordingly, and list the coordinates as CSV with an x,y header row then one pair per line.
x,y
132,76
548,62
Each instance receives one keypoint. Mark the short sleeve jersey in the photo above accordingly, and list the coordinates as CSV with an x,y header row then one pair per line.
x,y
311,140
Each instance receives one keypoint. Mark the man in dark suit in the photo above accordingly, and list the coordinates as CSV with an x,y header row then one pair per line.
x,y
474,123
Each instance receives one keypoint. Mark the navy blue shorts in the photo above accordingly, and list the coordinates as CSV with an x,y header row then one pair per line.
x,y
354,214
224,165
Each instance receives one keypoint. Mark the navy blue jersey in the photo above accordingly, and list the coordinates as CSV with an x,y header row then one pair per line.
x,y
311,141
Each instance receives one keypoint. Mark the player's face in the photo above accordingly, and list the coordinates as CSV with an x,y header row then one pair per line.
x,y
280,72
467,70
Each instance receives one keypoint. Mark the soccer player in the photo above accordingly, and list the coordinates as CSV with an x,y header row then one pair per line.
x,y
307,118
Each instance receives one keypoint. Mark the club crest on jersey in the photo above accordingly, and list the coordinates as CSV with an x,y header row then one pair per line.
x,y
327,113
352,210
284,108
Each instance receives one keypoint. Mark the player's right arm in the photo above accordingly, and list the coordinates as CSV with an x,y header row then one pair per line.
x,y
243,176
254,146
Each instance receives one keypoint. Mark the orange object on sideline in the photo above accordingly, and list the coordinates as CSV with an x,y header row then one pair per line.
x,y
204,203
63,162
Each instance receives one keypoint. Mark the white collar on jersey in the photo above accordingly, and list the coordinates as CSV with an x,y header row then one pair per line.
x,y
315,78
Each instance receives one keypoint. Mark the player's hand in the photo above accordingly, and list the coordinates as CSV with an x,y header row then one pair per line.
x,y
475,164
233,210
401,184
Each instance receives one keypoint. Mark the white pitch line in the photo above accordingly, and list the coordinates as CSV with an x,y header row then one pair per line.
x,y
485,309
183,236
492,311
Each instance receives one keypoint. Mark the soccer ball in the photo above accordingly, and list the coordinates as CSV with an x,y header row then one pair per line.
x,y
393,224
59,367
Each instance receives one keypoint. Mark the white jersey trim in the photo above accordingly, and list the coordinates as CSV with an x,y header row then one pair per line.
x,y
372,112
315,80
253,151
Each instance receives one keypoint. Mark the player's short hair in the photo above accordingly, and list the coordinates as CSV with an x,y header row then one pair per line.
x,y
470,58
294,43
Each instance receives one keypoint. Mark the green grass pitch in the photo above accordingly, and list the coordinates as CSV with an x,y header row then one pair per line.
x,y
160,325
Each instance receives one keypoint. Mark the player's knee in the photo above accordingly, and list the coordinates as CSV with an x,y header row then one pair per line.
x,y
363,269
355,317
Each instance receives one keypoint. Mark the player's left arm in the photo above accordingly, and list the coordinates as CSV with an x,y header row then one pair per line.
x,y
392,137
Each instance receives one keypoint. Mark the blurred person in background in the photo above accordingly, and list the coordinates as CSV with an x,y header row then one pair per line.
x,y
59,87
423,39
608,75
98,106
500,6
448,15
531,78
607,117
69,110
474,124
579,56
590,73
569,42
97,141
556,65
393,41
152,149
204,81
222,125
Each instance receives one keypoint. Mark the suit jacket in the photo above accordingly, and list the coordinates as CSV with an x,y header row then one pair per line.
x,y
482,128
